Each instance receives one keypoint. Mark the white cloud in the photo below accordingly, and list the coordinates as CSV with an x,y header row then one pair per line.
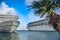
x,y
29,2
5,9
32,17
57,10
23,23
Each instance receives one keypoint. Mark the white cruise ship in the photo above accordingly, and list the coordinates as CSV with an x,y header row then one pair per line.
x,y
8,19
8,22
41,25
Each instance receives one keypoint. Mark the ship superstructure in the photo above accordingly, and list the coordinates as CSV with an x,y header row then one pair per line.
x,y
8,22
41,25
8,18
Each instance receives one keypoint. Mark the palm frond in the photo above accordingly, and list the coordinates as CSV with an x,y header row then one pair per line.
x,y
50,12
36,5
44,5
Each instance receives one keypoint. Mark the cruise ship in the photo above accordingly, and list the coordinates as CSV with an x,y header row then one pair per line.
x,y
8,22
8,18
41,25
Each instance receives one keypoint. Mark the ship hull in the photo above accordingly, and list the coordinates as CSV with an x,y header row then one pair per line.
x,y
40,25
41,28
9,26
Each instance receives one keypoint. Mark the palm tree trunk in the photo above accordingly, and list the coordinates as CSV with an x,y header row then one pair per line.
x,y
55,21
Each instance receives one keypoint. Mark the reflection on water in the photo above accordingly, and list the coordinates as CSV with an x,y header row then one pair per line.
x,y
43,36
9,36
39,36
30,36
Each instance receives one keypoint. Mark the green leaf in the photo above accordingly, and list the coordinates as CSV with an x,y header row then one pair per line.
x,y
42,13
50,12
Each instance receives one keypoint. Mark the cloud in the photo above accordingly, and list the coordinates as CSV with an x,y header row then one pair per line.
x,y
23,23
32,17
57,11
29,2
5,9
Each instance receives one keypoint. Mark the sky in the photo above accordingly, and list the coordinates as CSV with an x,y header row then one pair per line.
x,y
19,7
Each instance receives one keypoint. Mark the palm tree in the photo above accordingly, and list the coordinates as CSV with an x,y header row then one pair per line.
x,y
41,7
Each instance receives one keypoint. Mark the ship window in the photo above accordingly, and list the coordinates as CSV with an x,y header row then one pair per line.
x,y
1,17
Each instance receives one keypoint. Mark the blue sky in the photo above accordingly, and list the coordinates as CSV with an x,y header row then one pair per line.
x,y
20,7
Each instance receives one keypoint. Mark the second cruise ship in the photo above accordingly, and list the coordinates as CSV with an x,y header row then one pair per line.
x,y
41,25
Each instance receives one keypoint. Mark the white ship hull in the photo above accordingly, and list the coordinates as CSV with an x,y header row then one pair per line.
x,y
9,26
8,20
41,25
41,28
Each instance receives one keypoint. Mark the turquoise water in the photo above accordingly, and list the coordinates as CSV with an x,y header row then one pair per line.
x,y
28,35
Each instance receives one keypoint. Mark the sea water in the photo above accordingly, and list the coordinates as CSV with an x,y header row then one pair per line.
x,y
30,35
